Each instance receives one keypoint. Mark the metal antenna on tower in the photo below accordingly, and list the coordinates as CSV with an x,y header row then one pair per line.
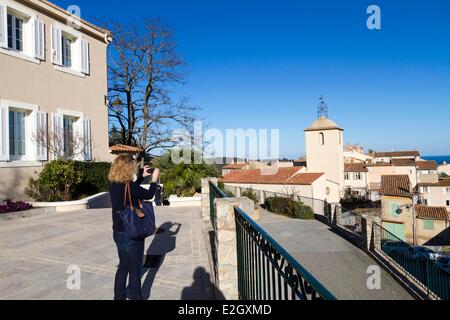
x,y
322,109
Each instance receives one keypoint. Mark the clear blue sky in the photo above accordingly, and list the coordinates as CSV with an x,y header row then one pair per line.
x,y
264,64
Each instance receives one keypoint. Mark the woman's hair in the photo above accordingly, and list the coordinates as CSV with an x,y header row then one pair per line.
x,y
123,169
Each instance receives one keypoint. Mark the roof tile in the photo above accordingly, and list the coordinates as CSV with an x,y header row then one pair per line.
x,y
395,185
432,213
290,176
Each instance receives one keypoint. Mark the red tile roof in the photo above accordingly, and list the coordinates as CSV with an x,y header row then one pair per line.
x,y
235,166
427,165
289,176
355,167
398,185
403,163
397,154
120,148
432,213
442,183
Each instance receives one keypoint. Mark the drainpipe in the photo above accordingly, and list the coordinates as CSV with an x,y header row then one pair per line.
x,y
414,222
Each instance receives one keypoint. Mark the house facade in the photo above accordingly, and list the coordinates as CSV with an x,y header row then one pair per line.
x,y
356,180
53,91
436,194
418,224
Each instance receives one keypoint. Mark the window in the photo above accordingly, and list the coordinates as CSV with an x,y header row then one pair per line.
x,y
15,33
66,51
424,189
321,139
447,190
425,202
393,208
70,51
68,137
358,176
428,225
16,134
425,172
346,176
447,203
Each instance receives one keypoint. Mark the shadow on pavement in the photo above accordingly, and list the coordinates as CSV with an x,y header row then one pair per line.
x,y
163,243
202,288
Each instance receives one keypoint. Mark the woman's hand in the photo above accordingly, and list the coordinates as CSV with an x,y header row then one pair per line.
x,y
146,173
155,177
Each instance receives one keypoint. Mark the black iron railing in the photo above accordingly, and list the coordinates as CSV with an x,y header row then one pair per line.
x,y
266,271
426,273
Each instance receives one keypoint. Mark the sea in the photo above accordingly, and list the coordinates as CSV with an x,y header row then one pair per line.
x,y
438,159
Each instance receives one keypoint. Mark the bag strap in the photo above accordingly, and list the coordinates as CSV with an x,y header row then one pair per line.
x,y
128,193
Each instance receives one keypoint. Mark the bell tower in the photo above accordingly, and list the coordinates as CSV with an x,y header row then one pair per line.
x,y
325,152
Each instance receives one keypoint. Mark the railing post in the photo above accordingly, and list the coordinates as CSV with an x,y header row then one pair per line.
x,y
206,210
262,197
371,236
226,246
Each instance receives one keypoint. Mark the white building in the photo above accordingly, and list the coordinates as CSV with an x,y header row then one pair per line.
x,y
325,153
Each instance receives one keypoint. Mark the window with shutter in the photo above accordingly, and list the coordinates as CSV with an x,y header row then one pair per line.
x,y
4,134
41,136
39,39
57,136
3,27
85,63
56,45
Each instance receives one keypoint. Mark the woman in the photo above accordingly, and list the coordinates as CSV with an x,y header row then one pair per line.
x,y
131,252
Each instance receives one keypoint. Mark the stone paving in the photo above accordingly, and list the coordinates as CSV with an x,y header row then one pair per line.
x,y
336,263
35,254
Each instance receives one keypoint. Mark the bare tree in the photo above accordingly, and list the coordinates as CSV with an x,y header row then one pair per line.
x,y
55,143
144,68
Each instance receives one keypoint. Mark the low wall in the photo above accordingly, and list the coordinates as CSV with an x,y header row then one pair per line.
x,y
177,202
98,201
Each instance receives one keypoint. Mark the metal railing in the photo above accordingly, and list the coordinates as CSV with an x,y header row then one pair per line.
x,y
266,271
426,273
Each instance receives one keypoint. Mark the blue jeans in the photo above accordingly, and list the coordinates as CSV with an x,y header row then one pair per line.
x,y
131,255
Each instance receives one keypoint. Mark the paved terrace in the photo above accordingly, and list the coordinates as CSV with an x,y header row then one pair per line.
x,y
336,263
36,252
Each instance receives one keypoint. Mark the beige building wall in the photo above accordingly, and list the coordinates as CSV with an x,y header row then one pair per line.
x,y
44,85
445,168
327,158
430,176
436,196
406,218
424,236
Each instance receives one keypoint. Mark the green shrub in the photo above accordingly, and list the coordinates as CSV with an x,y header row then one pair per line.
x,y
65,180
290,208
56,182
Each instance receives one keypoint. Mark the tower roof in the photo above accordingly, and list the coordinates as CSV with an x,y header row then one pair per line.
x,y
324,124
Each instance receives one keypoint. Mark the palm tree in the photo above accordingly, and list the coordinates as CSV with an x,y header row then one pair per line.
x,y
184,180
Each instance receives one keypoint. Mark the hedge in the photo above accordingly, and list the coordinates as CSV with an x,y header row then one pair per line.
x,y
95,178
289,207
65,180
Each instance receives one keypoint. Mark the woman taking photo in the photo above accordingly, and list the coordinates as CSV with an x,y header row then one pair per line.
x,y
131,252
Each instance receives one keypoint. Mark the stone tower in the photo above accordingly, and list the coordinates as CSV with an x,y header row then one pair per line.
x,y
325,153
